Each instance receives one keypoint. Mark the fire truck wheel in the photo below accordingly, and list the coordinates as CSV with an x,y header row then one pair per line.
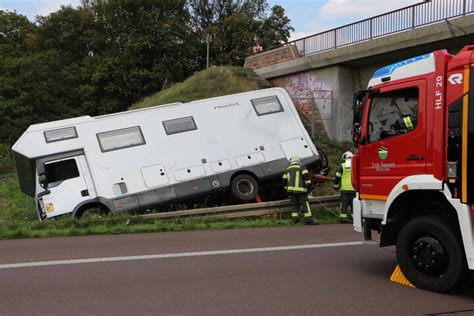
x,y
244,188
430,253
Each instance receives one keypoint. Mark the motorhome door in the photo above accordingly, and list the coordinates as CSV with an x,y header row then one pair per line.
x,y
67,183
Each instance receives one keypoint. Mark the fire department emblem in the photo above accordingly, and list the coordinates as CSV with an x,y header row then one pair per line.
x,y
383,153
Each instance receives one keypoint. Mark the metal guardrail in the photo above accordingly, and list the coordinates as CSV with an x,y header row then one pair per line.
x,y
246,210
414,16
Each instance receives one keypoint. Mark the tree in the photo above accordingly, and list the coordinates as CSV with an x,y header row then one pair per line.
x,y
33,90
140,47
275,29
236,25
16,34
16,44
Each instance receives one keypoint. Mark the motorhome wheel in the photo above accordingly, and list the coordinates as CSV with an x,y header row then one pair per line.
x,y
244,188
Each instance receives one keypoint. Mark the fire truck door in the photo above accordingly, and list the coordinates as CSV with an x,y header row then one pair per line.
x,y
394,138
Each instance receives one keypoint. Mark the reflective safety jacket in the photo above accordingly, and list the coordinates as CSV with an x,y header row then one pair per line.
x,y
343,179
297,178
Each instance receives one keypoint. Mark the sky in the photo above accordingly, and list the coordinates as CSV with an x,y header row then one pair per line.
x,y
307,16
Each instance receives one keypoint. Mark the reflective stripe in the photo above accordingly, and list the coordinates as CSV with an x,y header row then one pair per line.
x,y
285,176
295,215
294,167
343,215
297,189
308,210
338,174
304,171
373,197
297,179
408,122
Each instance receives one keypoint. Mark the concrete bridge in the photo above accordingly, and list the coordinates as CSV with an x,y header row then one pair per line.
x,y
321,71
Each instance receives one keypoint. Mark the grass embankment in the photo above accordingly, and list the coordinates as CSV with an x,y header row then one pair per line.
x,y
18,217
209,83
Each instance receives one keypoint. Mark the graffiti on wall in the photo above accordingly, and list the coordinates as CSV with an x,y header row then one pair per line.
x,y
305,90
307,87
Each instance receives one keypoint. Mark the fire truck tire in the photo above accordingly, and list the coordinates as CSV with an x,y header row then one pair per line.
x,y
244,188
430,253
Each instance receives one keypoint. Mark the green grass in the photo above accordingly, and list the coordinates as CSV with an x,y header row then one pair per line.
x,y
126,224
18,220
212,82
14,205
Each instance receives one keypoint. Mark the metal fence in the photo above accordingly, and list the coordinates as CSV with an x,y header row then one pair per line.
x,y
406,18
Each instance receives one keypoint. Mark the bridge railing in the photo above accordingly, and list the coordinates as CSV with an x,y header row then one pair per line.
x,y
406,18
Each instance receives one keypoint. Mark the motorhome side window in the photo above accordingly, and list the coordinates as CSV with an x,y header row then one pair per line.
x,y
179,125
267,105
60,134
393,113
61,170
120,139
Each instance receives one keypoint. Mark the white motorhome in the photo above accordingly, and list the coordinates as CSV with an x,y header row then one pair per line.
x,y
136,160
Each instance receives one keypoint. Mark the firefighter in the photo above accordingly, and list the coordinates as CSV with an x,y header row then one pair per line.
x,y
343,182
297,182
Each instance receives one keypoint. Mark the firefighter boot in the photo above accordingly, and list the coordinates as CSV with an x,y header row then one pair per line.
x,y
343,218
295,218
310,221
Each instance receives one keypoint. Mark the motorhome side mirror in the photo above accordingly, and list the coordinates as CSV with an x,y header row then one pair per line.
x,y
40,168
43,180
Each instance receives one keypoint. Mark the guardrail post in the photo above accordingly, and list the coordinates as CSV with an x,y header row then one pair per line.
x,y
335,38
464,7
413,17
304,47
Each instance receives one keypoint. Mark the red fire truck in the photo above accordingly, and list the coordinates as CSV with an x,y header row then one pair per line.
x,y
414,165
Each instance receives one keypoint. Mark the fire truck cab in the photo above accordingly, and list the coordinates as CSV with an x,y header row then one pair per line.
x,y
413,168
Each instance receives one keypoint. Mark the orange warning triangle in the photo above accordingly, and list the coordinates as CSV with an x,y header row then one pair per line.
x,y
399,277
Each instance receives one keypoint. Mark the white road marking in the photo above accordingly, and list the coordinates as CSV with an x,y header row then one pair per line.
x,y
174,255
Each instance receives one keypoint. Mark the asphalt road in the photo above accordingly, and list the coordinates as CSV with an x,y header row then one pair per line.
x,y
301,270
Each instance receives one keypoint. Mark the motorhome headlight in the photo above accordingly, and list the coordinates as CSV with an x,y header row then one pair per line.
x,y
452,169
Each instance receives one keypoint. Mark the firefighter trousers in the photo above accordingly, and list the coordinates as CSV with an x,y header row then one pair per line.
x,y
301,205
346,201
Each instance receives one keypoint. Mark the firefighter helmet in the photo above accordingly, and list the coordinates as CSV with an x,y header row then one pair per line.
x,y
295,158
347,155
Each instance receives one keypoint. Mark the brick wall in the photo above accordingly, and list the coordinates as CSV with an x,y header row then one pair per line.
x,y
303,103
271,57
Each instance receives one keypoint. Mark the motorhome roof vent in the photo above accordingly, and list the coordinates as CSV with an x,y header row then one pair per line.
x,y
119,188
